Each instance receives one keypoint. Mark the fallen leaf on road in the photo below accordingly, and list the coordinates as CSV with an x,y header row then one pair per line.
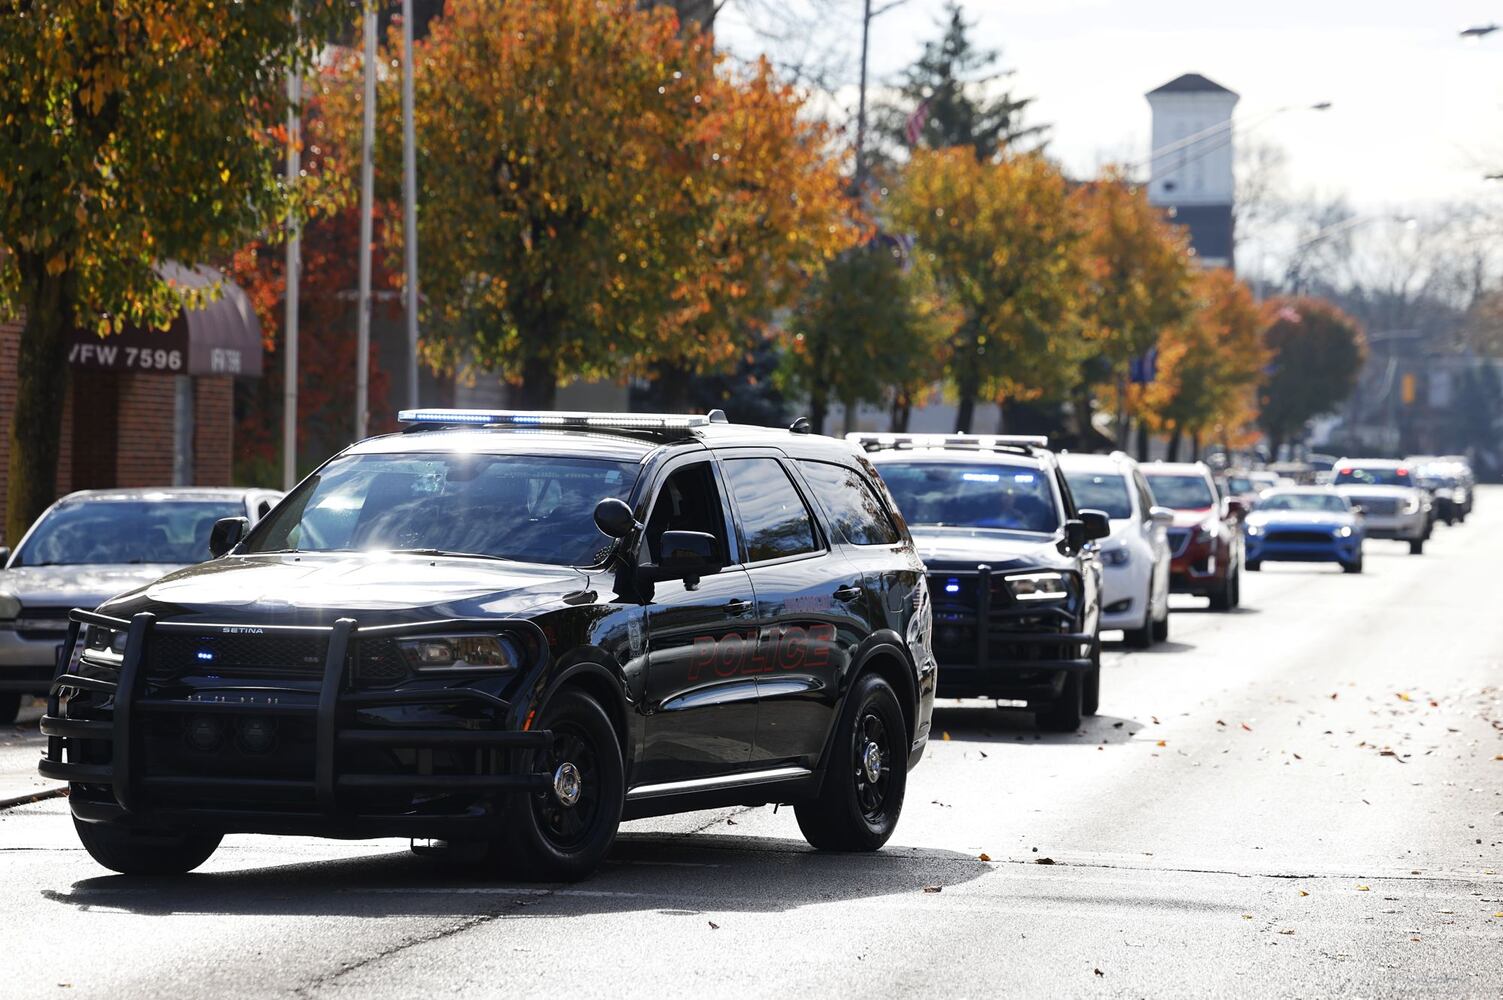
x,y
1287,931
729,821
945,736
1415,938
983,856
1364,888
1220,723
934,888
1247,916
1247,727
1043,861
1162,743
1333,695
1498,915
1155,719
1303,893
1298,757
714,926
982,753
1099,973
1402,696
1116,725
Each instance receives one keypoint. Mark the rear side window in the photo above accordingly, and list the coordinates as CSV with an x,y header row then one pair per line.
x,y
855,511
773,516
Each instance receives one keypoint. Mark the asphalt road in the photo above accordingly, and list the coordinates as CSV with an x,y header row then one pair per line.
x,y
1303,798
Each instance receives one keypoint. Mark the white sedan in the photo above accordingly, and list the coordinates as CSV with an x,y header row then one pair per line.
x,y
1135,557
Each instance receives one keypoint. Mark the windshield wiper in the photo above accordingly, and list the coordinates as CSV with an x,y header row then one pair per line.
x,y
447,553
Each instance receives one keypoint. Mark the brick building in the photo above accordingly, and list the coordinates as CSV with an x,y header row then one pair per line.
x,y
146,407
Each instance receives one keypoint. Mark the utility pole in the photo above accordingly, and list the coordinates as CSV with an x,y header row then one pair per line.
x,y
409,204
367,199
294,267
866,31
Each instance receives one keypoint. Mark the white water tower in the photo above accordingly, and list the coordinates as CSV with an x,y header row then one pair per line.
x,y
1190,172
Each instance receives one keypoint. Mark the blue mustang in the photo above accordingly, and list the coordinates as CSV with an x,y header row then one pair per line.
x,y
1304,524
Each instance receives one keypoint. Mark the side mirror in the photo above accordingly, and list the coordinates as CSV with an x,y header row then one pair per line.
x,y
226,535
686,555
1097,524
614,518
1359,510
1161,515
1075,535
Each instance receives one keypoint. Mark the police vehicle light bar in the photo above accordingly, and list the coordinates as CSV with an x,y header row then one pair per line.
x,y
572,420
972,442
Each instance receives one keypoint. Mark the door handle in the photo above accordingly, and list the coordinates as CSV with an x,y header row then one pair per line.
x,y
736,606
848,593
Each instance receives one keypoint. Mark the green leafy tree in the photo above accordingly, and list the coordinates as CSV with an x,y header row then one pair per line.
x,y
958,92
130,134
871,329
1004,246
1315,355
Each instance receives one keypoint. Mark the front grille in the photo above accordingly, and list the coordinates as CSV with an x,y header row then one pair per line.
x,y
1384,506
379,663
39,624
956,601
171,654
1300,537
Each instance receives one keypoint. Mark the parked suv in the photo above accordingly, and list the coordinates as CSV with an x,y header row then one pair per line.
x,y
506,632
1013,566
1390,498
85,549
1135,558
1206,536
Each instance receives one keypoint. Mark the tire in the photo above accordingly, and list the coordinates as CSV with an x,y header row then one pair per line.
x,y
10,707
129,851
1352,567
1063,716
854,811
1221,597
1139,638
1090,690
1417,546
1236,587
1253,567
1161,629
547,839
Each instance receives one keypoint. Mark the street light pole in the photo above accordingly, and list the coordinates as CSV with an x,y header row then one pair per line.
x,y
294,267
409,204
367,201
866,30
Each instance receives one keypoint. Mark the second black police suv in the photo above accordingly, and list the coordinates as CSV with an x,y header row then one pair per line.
x,y
1014,574
507,632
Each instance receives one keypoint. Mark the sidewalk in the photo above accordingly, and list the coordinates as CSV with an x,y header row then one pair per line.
x,y
20,748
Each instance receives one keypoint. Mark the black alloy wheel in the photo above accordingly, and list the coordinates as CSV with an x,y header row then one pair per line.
x,y
561,833
866,777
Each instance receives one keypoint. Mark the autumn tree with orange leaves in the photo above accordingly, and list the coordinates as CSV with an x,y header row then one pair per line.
x,y
1210,363
601,194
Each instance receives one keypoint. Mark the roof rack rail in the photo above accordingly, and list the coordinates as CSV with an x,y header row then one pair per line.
x,y
655,424
1024,444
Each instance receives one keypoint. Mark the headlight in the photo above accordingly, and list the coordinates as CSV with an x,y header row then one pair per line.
x,y
1253,529
1412,506
1038,586
10,607
446,653
104,645
1117,557
1344,532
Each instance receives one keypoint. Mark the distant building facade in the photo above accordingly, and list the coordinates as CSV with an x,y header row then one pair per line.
x,y
1190,170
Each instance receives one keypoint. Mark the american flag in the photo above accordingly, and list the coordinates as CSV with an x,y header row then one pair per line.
x,y
915,125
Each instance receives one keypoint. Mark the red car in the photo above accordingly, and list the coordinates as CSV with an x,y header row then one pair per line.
x,y
1206,537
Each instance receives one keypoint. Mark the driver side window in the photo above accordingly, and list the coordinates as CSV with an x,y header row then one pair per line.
x,y
687,501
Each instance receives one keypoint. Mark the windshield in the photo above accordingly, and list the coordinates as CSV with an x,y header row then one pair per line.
x,y
953,494
1325,502
1105,492
1240,484
1182,492
115,532
528,508
1380,476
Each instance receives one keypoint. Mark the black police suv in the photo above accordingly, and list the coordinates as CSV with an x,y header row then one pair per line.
x,y
1014,574
507,632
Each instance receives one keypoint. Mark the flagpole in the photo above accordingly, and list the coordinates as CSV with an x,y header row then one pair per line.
x,y
367,200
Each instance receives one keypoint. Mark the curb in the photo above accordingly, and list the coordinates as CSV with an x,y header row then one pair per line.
x,y
36,796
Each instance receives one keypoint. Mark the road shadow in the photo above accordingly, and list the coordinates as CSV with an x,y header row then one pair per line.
x,y
977,722
688,873
1167,646
1206,609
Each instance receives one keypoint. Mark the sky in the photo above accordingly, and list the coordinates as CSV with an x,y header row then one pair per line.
x,y
1416,117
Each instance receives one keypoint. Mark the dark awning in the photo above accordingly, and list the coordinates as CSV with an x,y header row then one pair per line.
x,y
222,338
